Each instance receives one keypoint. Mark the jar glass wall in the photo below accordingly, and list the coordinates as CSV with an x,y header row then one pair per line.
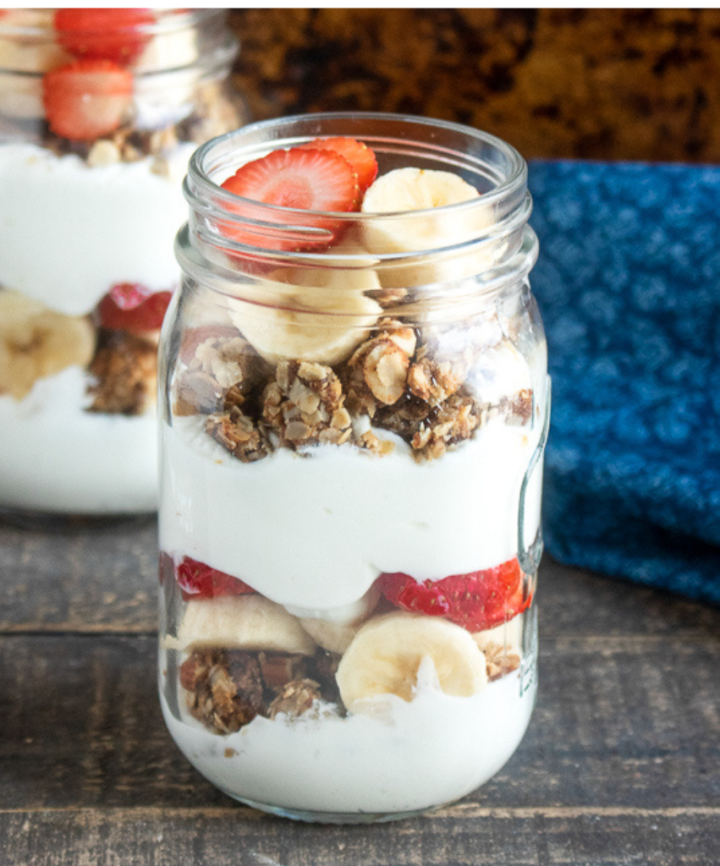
x,y
100,111
354,412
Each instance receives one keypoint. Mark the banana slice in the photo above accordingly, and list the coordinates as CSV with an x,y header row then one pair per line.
x,y
414,189
388,651
329,315
35,342
506,635
27,41
247,622
334,637
334,628
26,46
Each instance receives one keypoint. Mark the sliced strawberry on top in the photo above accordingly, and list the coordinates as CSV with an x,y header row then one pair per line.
x,y
198,580
132,307
476,601
312,180
109,34
358,154
87,98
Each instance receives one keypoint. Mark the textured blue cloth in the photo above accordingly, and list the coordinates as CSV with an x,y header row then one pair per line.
x,y
628,283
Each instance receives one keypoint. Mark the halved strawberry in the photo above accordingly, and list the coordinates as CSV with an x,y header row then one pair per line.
x,y
358,154
132,307
110,34
476,601
198,580
312,180
87,98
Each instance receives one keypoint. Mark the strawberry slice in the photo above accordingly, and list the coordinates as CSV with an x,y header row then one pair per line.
x,y
476,601
359,155
197,580
109,34
312,180
87,98
132,307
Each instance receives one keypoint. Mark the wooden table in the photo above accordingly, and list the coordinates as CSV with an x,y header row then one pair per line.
x,y
621,764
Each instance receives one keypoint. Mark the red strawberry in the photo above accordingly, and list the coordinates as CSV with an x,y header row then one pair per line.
x,y
87,98
197,580
312,180
109,34
359,155
132,307
476,601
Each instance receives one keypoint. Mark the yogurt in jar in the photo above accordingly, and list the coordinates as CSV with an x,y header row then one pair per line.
x,y
350,475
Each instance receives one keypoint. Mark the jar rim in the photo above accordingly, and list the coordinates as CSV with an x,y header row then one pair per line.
x,y
199,182
31,27
166,20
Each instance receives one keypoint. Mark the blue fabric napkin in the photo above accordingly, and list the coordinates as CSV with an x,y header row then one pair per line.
x,y
628,283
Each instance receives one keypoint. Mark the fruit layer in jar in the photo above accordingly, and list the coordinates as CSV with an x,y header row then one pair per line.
x,y
339,525
94,143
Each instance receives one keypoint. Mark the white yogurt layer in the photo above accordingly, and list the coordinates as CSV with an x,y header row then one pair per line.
x,y
314,532
69,232
410,756
56,457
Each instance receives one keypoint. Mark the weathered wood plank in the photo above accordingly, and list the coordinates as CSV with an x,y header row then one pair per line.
x,y
619,723
99,578
236,837
104,579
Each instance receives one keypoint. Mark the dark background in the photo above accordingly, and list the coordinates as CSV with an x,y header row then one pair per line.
x,y
596,84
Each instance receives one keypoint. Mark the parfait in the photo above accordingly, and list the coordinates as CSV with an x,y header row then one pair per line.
x,y
100,110
355,404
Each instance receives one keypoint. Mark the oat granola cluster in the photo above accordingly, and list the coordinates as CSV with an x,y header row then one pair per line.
x,y
226,689
395,380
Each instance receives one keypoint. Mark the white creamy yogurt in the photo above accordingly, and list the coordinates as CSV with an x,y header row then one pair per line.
x,y
69,232
314,532
56,457
410,756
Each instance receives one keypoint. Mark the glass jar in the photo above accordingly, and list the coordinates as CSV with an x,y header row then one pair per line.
x,y
100,111
355,409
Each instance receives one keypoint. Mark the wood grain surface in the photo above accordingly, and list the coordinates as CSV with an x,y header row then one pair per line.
x,y
621,764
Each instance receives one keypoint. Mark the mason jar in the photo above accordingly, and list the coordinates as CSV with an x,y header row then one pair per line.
x,y
100,110
354,411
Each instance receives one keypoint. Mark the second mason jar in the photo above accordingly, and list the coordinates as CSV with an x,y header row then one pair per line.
x,y
100,110
354,409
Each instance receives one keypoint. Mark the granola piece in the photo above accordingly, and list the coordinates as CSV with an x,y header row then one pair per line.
x,y
239,434
103,152
434,381
280,669
305,405
377,371
384,368
431,430
322,668
368,441
224,688
296,698
518,408
499,662
196,393
451,422
390,297
221,372
125,369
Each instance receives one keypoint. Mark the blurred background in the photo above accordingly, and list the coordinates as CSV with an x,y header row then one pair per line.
x,y
618,113
639,84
